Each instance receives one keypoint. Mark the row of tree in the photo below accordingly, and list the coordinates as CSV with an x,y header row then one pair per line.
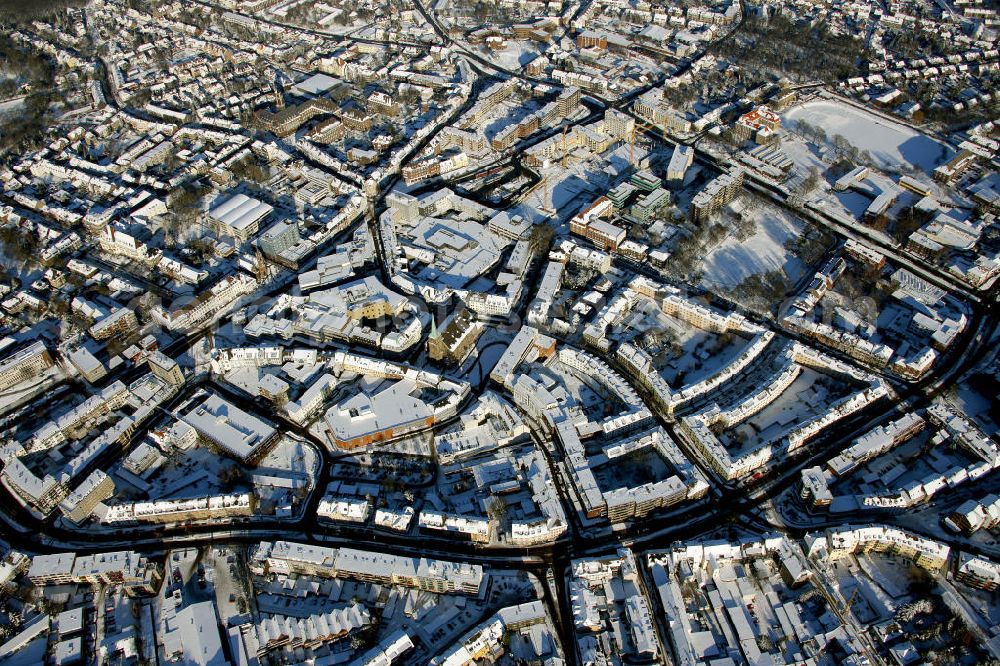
x,y
798,50
15,12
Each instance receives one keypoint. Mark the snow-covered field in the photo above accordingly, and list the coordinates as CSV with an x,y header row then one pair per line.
x,y
732,261
514,55
888,142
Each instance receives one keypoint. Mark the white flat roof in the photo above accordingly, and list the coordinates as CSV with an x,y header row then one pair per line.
x,y
376,408
317,84
70,621
229,426
198,635
55,564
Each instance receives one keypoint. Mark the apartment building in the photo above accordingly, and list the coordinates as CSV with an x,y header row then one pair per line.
x,y
716,195
24,364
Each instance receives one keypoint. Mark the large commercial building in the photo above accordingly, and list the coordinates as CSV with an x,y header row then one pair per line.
x,y
390,400
386,412
192,636
239,434
239,216
279,238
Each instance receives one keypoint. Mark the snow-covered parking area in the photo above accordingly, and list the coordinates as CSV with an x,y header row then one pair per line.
x,y
888,142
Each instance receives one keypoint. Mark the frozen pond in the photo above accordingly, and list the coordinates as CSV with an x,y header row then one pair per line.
x,y
888,142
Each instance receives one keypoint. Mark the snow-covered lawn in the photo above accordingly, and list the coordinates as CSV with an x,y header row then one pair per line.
x,y
888,142
514,55
804,399
733,260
